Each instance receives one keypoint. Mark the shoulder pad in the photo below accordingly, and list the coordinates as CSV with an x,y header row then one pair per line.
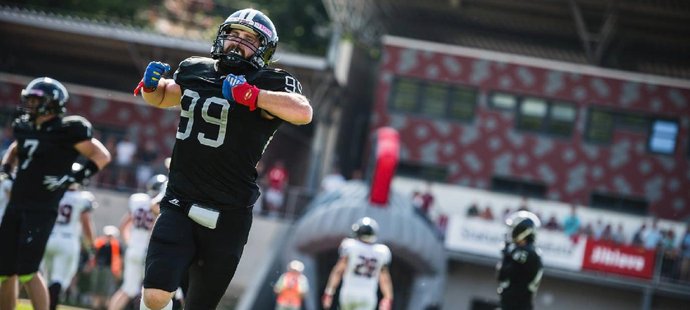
x,y
76,121
275,79
196,60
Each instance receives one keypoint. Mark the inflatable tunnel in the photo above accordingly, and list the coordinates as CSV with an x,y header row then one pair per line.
x,y
418,266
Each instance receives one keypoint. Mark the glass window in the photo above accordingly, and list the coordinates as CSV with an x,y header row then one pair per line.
x,y
532,114
434,100
600,126
662,138
404,95
619,203
503,101
631,121
462,103
562,119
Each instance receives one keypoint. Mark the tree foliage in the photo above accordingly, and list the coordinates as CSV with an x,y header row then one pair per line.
x,y
303,25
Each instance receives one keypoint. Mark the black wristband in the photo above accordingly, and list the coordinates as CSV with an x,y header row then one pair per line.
x,y
7,168
89,169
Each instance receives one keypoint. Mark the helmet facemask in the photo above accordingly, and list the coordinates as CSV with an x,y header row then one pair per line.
x,y
252,21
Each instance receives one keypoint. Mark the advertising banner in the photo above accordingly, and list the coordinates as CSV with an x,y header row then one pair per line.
x,y
482,237
623,260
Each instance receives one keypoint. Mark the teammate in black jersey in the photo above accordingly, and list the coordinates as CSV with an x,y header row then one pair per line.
x,y
45,147
231,105
520,270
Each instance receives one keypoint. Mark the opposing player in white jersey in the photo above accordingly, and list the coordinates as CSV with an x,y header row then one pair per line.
x,y
61,258
363,266
136,228
5,189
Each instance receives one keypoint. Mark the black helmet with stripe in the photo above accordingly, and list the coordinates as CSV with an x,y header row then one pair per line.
x,y
253,21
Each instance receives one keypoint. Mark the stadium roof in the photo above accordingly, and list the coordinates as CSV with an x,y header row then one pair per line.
x,y
648,36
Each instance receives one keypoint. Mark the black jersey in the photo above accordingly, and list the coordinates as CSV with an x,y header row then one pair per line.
x,y
219,142
519,276
43,151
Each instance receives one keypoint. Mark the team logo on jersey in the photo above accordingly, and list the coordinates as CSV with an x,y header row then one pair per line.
x,y
174,201
248,94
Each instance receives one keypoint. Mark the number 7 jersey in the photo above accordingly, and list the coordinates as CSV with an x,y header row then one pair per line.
x,y
364,264
219,142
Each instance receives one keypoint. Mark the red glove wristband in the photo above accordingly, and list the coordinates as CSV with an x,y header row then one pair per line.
x,y
141,86
246,94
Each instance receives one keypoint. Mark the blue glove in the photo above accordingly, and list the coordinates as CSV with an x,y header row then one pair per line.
x,y
154,72
231,81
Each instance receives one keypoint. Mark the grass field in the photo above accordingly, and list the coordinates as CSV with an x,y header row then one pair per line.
x,y
25,304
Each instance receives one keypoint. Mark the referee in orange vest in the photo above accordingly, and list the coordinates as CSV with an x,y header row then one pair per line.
x,y
291,287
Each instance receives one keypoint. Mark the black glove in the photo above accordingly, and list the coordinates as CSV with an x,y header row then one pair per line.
x,y
54,183
6,172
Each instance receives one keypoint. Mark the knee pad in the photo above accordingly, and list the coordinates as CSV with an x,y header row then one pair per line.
x,y
26,278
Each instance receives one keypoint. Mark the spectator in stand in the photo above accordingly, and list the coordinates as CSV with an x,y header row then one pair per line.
x,y
587,231
277,184
417,201
146,156
124,158
487,214
638,237
442,222
651,238
571,224
332,181
618,236
473,210
685,256
427,200
607,233
552,223
598,230
670,258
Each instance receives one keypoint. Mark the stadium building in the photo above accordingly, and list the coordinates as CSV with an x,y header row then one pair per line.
x,y
498,103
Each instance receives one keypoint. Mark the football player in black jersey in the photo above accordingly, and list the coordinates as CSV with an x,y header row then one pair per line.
x,y
520,270
46,145
231,105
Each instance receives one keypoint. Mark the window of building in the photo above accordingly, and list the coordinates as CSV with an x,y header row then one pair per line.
x,y
548,117
619,203
632,122
429,172
405,95
562,119
518,187
663,136
432,99
503,101
532,114
462,103
600,125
